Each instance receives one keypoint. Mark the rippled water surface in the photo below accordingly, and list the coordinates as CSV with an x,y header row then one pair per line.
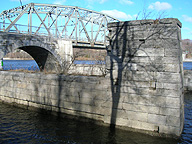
x,y
187,65
32,65
20,64
24,126
186,136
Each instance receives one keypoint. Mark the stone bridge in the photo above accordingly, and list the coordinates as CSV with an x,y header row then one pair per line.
x,y
49,53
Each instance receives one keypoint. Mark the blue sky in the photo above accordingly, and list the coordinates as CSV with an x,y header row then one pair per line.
x,y
127,9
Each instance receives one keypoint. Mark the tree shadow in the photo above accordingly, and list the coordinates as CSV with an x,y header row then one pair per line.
x,y
127,43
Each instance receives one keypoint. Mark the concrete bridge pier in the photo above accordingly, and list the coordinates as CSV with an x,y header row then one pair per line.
x,y
66,52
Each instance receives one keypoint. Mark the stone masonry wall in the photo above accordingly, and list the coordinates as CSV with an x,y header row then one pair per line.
x,y
77,95
145,67
87,69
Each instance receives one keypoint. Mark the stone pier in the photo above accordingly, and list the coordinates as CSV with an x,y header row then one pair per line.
x,y
146,73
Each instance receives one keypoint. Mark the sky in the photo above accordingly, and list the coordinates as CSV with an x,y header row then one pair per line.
x,y
127,10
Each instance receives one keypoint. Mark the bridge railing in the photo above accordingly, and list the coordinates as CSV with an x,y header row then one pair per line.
x,y
24,29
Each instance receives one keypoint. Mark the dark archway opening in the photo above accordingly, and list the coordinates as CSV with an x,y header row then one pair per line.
x,y
44,59
41,59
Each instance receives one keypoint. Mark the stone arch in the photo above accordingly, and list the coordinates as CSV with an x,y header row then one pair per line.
x,y
45,59
44,50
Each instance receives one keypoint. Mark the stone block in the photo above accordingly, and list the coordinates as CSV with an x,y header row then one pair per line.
x,y
173,121
173,52
158,101
123,122
173,102
169,111
152,66
139,84
135,90
141,108
150,52
139,116
171,60
102,95
137,76
119,121
144,126
157,119
84,100
169,130
170,86
111,104
169,77
165,92
140,99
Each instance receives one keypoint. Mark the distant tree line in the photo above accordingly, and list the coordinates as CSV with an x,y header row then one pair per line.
x,y
89,54
187,47
18,54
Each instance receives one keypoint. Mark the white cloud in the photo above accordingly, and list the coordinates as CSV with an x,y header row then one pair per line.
x,y
60,2
128,2
186,28
187,32
102,1
160,6
21,0
93,1
90,3
118,14
187,18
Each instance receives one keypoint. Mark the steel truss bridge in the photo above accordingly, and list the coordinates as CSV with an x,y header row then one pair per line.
x,y
86,28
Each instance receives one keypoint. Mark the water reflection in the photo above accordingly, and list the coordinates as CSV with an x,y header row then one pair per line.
x,y
186,136
24,126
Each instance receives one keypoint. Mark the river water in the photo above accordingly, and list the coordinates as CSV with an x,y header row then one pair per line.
x,y
19,125
32,65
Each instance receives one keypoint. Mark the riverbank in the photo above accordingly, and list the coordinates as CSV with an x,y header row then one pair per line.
x,y
187,60
18,59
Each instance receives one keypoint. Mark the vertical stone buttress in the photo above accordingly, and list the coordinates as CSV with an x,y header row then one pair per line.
x,y
145,68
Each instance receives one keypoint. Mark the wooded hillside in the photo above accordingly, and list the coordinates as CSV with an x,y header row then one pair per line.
x,y
187,47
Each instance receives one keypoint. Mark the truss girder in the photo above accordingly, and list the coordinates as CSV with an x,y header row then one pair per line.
x,y
68,22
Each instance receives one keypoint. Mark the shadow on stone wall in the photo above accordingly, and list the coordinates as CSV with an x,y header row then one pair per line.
x,y
136,54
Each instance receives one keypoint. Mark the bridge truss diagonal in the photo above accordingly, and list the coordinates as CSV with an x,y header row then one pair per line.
x,y
84,27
